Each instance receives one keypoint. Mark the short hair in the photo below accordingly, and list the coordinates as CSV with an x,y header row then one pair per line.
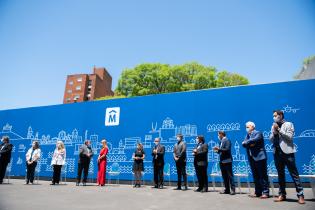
x,y
86,141
36,144
180,135
157,138
279,112
222,133
249,123
201,138
6,139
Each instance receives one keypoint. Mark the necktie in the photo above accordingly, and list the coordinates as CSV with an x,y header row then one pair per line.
x,y
32,155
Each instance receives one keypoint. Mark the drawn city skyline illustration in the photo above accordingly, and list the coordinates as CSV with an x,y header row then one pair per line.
x,y
120,151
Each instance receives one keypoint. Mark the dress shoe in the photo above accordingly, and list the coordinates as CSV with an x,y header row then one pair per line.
x,y
280,198
301,200
204,190
198,190
224,192
178,188
264,196
254,196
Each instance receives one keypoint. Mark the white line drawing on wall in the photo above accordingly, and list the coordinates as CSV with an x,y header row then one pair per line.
x,y
19,161
223,127
7,131
289,109
121,153
238,156
269,147
241,167
310,168
22,148
308,133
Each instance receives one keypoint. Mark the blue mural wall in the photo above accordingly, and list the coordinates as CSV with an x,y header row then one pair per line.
x,y
141,119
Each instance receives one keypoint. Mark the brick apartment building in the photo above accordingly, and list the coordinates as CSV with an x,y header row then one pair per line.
x,y
87,87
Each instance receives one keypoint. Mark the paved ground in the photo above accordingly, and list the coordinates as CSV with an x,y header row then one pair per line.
x,y
16,196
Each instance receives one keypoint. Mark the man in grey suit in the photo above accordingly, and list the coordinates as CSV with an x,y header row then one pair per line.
x,y
85,155
283,149
180,160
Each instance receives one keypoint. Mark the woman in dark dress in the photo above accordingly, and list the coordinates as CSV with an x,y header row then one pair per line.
x,y
138,157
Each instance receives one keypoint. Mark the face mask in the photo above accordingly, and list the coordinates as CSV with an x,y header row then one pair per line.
x,y
156,143
219,138
178,139
277,119
247,130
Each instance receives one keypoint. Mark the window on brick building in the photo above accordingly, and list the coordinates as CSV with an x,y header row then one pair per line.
x,y
78,88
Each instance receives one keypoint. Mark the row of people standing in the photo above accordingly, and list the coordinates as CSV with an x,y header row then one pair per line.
x,y
281,137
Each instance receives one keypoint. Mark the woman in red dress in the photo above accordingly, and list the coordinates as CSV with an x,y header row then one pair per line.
x,y
101,174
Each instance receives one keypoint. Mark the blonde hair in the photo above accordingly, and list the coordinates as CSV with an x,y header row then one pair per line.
x,y
140,146
104,141
60,145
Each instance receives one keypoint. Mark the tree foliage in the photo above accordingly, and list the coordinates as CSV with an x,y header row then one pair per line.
x,y
154,78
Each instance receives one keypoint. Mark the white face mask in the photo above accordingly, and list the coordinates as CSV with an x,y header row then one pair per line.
x,y
178,139
248,130
277,119
219,138
156,143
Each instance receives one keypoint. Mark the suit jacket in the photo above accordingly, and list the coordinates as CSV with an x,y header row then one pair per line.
x,y
225,151
180,151
158,158
255,146
201,156
83,153
5,152
285,138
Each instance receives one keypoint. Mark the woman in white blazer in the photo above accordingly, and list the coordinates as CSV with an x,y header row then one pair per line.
x,y
58,160
32,156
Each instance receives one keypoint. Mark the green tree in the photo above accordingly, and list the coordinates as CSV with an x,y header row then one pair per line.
x,y
225,79
154,78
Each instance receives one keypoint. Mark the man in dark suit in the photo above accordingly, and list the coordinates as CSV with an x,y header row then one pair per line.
x,y
5,156
180,156
257,157
158,152
85,155
201,164
224,150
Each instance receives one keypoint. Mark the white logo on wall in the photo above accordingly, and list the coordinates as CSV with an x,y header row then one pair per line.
x,y
112,116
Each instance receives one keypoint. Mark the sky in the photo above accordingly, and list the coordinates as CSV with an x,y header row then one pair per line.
x,y
41,42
